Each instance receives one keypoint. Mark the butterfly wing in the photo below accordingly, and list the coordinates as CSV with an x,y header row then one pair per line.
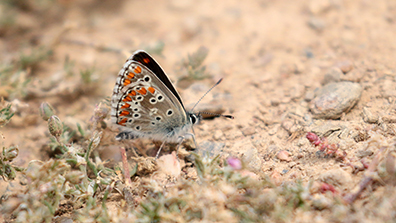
x,y
142,102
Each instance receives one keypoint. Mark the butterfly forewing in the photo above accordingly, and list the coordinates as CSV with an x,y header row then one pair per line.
x,y
145,59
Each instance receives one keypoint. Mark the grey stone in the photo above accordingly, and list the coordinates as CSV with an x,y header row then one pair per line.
x,y
334,99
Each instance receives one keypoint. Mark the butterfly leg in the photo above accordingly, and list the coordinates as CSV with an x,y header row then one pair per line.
x,y
193,137
181,139
159,150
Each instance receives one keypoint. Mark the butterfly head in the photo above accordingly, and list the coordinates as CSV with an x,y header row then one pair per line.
x,y
195,118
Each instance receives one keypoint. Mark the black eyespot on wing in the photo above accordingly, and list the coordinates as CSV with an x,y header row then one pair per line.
x,y
160,98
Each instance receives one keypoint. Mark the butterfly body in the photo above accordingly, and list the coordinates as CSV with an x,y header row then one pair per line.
x,y
145,104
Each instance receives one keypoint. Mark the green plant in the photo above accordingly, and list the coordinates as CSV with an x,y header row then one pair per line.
x,y
193,67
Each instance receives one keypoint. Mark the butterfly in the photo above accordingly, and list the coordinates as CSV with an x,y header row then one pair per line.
x,y
145,103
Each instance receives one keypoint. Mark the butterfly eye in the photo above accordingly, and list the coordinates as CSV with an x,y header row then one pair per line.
x,y
194,119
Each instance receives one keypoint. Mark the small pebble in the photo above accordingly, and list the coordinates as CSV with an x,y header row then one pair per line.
x,y
364,152
284,171
276,178
320,202
284,156
309,95
332,75
336,177
218,134
369,117
345,66
308,53
353,76
249,131
316,24
245,148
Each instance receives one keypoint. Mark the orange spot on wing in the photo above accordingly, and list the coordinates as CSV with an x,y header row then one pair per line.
x,y
133,93
151,89
126,82
142,91
126,105
146,60
138,70
131,75
127,98
124,113
122,122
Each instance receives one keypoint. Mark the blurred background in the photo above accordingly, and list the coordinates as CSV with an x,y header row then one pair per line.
x,y
273,56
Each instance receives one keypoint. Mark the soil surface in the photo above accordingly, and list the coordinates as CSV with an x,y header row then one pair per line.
x,y
289,68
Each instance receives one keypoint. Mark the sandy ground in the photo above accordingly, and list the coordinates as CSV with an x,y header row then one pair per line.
x,y
274,57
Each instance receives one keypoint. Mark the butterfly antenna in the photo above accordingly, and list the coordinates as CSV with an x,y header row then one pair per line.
x,y
218,82
217,115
